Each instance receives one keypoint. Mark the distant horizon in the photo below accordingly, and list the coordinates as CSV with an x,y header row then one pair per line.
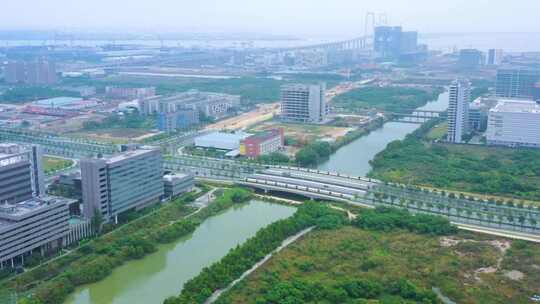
x,y
300,18
249,35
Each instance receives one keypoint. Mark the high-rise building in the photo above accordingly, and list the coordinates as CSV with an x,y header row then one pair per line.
x,y
458,110
470,58
514,123
393,43
408,42
21,173
387,41
495,57
29,220
38,72
15,72
517,82
178,120
126,181
303,103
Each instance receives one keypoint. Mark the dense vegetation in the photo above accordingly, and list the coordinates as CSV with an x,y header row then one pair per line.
x,y
480,169
22,94
96,259
242,258
313,154
388,219
391,99
351,265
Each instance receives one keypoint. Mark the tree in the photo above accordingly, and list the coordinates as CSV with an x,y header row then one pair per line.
x,y
307,157
97,220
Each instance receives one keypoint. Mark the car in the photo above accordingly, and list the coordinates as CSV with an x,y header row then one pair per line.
x,y
535,298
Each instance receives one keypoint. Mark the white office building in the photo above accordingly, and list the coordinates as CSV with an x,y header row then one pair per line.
x,y
458,110
514,123
303,103
126,181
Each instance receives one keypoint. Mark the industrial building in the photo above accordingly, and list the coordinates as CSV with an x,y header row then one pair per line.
x,y
215,105
176,184
185,110
517,82
221,140
263,143
303,103
458,110
514,123
21,173
126,181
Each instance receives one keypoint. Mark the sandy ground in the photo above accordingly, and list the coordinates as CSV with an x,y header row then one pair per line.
x,y
306,132
501,245
262,113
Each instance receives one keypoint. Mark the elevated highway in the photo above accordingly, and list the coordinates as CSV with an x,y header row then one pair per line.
x,y
365,192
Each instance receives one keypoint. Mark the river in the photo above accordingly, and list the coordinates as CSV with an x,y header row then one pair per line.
x,y
163,273
353,159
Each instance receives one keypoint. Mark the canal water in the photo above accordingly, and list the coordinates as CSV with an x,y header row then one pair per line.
x,y
353,159
163,273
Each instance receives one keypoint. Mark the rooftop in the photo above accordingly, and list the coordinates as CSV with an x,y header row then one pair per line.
x,y
516,106
176,176
222,136
127,155
265,135
58,101
10,213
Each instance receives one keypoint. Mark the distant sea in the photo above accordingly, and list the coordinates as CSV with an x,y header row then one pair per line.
x,y
509,42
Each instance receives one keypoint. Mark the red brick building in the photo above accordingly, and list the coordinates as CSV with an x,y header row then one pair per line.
x,y
263,143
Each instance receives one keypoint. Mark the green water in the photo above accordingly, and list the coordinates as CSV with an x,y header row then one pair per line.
x,y
353,159
162,274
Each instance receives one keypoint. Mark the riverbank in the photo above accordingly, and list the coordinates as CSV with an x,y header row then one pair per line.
x,y
485,170
94,261
353,158
243,258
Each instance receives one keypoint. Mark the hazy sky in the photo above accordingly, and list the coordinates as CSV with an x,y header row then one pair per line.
x,y
297,17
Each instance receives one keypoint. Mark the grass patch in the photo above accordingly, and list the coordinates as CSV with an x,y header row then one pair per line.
x,y
53,164
438,132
